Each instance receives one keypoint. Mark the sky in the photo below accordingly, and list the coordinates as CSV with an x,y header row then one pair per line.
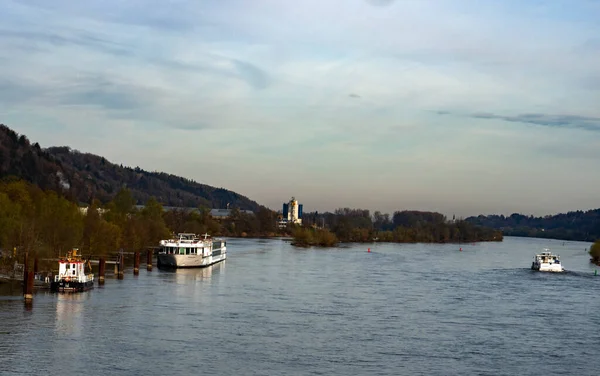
x,y
464,107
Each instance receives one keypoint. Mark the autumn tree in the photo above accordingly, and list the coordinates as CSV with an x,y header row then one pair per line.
x,y
119,210
28,199
153,223
60,224
99,235
10,220
266,220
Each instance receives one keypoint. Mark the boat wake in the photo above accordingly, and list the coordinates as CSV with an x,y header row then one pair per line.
x,y
573,273
565,272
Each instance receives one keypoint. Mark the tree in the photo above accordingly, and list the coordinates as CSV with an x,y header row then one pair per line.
x,y
134,235
151,217
91,227
10,219
28,198
99,235
124,202
381,221
266,220
60,224
595,252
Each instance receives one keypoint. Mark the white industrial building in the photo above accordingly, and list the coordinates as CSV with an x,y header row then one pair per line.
x,y
292,213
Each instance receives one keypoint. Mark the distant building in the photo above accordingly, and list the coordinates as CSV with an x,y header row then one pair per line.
x,y
220,213
292,213
84,209
171,208
215,213
226,213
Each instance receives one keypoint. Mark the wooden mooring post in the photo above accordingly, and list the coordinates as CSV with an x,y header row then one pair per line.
x,y
101,270
149,260
27,280
136,263
29,287
121,273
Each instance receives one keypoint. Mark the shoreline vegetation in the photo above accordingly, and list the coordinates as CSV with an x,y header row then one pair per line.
x,y
595,253
355,225
46,224
575,225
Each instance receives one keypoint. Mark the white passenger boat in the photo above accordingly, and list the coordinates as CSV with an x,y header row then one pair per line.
x,y
547,262
190,251
71,275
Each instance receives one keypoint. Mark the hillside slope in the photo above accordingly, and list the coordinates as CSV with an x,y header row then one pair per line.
x,y
83,176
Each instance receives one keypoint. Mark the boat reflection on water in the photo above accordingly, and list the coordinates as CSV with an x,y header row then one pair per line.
x,y
183,276
69,314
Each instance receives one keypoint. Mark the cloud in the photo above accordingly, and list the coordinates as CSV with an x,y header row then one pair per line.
x,y
153,14
279,84
55,39
380,3
13,92
107,94
549,120
254,76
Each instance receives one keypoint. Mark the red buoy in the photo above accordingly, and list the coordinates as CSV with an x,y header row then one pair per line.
x,y
369,250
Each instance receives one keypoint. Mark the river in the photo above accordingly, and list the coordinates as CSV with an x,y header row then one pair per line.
x,y
273,309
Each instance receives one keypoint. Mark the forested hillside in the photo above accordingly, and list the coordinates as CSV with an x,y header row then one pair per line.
x,y
82,177
576,225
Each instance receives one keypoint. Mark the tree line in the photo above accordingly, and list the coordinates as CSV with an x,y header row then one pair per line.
x,y
47,224
576,225
407,226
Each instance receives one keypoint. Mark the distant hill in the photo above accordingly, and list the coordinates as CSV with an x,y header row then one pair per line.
x,y
84,176
576,225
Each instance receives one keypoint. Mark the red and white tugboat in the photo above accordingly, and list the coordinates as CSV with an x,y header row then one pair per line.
x,y
71,274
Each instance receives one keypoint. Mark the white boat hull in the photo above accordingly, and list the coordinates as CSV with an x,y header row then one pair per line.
x,y
547,262
544,267
189,261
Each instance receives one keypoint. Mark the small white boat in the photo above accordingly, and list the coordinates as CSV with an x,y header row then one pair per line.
x,y
547,262
71,274
189,251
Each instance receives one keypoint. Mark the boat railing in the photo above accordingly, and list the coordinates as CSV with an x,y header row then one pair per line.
x,y
65,276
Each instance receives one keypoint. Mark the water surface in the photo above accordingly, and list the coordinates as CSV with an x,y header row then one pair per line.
x,y
272,309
